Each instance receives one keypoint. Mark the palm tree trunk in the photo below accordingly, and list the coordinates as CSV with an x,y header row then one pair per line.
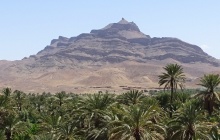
x,y
19,106
60,102
210,107
137,134
97,122
8,134
209,104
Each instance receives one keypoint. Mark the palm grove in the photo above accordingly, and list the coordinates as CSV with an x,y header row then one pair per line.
x,y
173,114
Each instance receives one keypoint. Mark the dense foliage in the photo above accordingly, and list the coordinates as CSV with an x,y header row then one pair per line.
x,y
133,115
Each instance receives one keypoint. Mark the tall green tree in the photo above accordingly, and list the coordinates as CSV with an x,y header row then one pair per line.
x,y
135,123
13,126
60,96
92,112
19,98
172,78
5,97
188,123
67,130
131,97
209,96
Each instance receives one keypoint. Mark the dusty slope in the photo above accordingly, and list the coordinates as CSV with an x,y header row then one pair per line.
x,y
117,58
112,77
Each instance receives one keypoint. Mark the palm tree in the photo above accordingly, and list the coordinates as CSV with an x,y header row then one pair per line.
x,y
67,130
5,98
2,100
19,97
32,130
135,123
210,82
131,97
14,126
37,101
92,112
94,107
172,79
188,123
6,92
164,100
51,122
60,96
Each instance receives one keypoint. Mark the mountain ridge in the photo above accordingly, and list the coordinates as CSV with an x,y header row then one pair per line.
x,y
194,53
97,58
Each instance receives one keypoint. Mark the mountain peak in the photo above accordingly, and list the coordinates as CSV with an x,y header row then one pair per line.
x,y
123,21
116,56
123,28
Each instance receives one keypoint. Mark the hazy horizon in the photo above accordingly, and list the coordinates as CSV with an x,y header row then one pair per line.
x,y
27,27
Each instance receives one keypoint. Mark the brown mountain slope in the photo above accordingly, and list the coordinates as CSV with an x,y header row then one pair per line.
x,y
113,58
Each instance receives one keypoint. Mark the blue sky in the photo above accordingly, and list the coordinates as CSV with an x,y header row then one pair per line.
x,y
26,27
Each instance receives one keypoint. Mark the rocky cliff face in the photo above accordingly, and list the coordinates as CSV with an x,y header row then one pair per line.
x,y
115,48
122,41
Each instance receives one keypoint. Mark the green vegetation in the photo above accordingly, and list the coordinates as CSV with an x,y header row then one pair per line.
x,y
172,78
166,115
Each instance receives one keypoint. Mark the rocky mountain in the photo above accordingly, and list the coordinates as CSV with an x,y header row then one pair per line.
x,y
118,42
115,57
